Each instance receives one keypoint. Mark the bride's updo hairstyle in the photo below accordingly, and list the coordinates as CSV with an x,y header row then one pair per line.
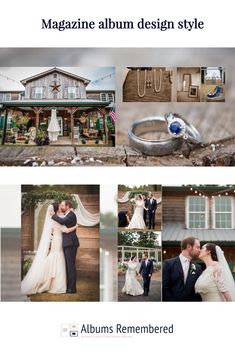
x,y
212,248
132,257
55,206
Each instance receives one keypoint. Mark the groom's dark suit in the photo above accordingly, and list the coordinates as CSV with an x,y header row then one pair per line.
x,y
145,272
70,244
151,205
173,286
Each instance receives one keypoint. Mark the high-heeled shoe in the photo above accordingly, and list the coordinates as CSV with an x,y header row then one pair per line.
x,y
216,93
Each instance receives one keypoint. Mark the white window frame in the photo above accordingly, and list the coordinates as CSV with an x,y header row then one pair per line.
x,y
37,88
188,213
214,213
74,92
106,95
6,97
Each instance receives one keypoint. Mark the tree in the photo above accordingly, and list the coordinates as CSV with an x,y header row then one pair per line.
x,y
138,239
108,220
148,239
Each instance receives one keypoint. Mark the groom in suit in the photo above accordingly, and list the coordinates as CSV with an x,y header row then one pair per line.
x,y
180,273
151,205
146,270
70,243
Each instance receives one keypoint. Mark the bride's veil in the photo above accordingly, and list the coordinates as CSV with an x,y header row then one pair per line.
x,y
31,279
229,281
84,217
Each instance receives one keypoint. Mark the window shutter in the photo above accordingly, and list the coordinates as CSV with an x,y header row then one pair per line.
x,y
33,92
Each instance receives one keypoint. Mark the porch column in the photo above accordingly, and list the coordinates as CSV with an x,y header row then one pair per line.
x,y
4,126
72,111
37,111
103,114
156,256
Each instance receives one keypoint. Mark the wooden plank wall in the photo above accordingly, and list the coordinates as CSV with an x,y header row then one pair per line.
x,y
61,79
173,208
88,253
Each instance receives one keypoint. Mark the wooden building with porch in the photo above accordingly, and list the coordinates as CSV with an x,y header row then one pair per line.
x,y
82,120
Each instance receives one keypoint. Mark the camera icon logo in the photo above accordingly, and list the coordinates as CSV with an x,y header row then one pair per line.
x,y
69,330
73,333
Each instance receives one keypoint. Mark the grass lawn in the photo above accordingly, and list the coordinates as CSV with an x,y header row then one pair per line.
x,y
87,290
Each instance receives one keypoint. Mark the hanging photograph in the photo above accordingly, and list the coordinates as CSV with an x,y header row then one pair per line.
x,y
193,91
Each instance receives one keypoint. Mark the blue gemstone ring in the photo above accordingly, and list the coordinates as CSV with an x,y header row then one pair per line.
x,y
179,131
179,128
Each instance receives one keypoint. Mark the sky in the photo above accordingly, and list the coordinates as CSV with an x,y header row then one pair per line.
x,y
16,74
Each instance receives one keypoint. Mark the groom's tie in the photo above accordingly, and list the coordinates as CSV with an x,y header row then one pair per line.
x,y
185,269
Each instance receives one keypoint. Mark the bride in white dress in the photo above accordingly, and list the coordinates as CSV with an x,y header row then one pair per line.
x,y
48,272
132,285
216,282
137,220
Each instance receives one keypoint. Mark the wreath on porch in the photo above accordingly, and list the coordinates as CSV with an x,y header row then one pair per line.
x,y
33,198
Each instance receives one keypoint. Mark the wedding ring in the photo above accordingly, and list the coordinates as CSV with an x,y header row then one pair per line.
x,y
178,129
152,147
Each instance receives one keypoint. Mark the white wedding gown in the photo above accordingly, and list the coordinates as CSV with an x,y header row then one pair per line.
x,y
211,284
137,221
53,127
132,286
51,276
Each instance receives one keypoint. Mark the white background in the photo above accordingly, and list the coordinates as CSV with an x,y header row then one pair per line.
x,y
35,327
20,24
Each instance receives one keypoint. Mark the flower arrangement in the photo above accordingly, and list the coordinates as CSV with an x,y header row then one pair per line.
x,y
41,138
122,267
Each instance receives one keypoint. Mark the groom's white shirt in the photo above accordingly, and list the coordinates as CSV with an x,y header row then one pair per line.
x,y
185,265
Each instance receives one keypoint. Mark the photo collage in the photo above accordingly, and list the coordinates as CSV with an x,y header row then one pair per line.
x,y
152,243
105,113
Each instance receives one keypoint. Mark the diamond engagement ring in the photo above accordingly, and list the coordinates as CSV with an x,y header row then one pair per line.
x,y
178,129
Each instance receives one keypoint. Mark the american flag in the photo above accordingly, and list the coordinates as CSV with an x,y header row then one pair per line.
x,y
112,115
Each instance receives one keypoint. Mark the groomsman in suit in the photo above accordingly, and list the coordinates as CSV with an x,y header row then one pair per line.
x,y
145,210
151,205
70,243
146,270
180,273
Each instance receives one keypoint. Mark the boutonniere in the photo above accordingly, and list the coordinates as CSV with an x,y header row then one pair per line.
x,y
193,269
